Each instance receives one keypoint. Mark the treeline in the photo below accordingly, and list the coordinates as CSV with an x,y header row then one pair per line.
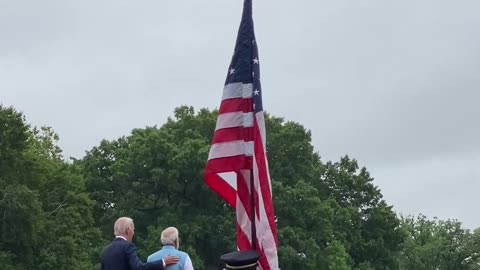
x,y
58,214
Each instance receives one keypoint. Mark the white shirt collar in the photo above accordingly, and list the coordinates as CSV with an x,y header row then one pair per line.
x,y
119,236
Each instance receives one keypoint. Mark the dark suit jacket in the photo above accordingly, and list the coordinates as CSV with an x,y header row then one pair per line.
x,y
122,255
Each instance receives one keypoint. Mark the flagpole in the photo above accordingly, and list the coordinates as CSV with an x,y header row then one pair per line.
x,y
252,206
252,182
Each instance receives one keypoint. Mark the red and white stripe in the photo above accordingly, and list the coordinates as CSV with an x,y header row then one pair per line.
x,y
238,149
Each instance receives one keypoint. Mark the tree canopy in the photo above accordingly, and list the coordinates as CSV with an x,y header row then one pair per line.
x,y
47,219
58,214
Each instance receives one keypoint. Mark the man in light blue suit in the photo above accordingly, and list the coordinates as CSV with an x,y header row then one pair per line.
x,y
171,242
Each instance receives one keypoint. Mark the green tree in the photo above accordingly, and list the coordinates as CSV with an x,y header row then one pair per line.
x,y
329,215
364,223
46,214
438,244
337,256
155,176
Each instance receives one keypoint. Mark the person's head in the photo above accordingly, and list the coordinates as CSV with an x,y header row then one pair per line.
x,y
170,237
124,227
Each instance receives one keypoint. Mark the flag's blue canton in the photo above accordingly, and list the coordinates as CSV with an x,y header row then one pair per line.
x,y
245,66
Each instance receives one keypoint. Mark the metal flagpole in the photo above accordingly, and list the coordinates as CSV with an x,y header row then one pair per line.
x,y
252,206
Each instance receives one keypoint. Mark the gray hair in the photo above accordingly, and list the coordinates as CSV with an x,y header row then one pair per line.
x,y
121,225
169,236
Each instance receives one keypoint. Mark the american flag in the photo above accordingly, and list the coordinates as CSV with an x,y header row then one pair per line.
x,y
238,149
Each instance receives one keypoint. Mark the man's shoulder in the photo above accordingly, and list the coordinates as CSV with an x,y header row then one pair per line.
x,y
117,244
155,256
160,254
122,242
183,253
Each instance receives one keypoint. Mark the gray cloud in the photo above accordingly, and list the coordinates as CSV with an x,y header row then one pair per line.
x,y
391,83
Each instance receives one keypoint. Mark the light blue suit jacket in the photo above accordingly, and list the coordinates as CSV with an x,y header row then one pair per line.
x,y
169,250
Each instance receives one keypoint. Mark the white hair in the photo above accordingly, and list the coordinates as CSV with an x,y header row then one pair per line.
x,y
121,226
169,236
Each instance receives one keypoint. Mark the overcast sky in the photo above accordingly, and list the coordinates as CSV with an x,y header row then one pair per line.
x,y
394,84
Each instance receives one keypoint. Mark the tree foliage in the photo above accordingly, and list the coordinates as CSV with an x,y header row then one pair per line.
x,y
47,220
155,175
438,244
330,215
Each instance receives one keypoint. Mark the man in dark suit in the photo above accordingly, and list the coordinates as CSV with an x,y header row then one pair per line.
x,y
121,253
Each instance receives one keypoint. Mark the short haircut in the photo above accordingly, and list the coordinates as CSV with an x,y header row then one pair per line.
x,y
169,236
121,225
